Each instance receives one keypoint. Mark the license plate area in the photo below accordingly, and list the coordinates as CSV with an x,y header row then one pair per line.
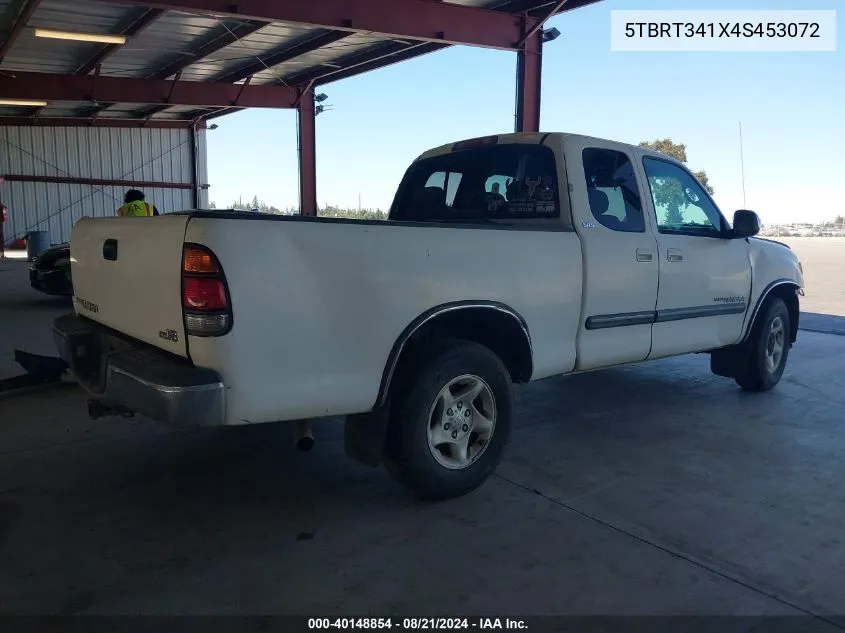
x,y
89,359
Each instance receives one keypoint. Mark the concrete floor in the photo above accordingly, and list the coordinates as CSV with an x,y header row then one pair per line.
x,y
652,489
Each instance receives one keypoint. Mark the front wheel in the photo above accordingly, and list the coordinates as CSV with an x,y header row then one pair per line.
x,y
449,428
769,349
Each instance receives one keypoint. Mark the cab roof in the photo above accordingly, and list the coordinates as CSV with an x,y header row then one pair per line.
x,y
532,137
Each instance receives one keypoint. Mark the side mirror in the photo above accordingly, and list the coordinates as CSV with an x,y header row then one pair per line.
x,y
746,224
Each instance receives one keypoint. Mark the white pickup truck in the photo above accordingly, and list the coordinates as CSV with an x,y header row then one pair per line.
x,y
505,259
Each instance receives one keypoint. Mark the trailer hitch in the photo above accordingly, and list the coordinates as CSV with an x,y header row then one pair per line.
x,y
40,371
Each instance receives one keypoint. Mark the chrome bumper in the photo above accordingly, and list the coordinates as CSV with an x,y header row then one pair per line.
x,y
120,373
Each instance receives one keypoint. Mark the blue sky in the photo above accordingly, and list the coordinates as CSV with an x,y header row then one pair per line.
x,y
792,108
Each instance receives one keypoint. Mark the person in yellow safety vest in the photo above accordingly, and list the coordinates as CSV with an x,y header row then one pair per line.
x,y
134,205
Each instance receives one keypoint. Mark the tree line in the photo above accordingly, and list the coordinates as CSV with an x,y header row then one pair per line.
x,y
669,194
328,211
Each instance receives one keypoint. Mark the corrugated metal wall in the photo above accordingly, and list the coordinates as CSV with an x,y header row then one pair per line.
x,y
146,154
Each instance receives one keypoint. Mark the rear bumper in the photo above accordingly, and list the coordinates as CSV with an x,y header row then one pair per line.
x,y
120,373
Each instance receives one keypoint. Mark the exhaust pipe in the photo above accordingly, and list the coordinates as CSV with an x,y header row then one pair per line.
x,y
303,435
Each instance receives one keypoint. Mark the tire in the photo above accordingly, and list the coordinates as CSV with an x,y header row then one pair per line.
x,y
462,367
761,373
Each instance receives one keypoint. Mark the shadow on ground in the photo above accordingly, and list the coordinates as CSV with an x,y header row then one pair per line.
x,y
822,323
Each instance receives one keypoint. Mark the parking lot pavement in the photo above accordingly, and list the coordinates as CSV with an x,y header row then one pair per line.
x,y
651,489
822,258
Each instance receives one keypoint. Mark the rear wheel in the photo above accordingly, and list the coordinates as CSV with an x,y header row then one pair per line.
x,y
451,421
768,349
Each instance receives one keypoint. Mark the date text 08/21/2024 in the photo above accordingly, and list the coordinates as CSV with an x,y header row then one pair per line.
x,y
416,624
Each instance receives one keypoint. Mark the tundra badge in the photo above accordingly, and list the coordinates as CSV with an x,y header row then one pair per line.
x,y
87,305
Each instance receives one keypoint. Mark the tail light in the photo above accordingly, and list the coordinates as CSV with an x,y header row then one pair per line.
x,y
206,305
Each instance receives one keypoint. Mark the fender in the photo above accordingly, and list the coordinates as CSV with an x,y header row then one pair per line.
x,y
761,300
429,315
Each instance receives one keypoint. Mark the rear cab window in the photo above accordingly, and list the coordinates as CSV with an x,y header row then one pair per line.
x,y
491,183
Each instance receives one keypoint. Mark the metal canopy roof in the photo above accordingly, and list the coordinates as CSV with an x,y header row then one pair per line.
x,y
190,60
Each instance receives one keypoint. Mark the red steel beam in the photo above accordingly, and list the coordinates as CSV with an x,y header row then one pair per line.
x,y
540,8
307,154
24,121
274,58
392,52
220,40
422,20
99,182
143,21
378,58
17,17
529,64
219,113
53,87
539,24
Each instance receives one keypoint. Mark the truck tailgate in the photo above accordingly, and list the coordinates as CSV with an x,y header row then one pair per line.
x,y
127,275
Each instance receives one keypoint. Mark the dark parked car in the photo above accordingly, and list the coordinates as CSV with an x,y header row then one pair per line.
x,y
50,271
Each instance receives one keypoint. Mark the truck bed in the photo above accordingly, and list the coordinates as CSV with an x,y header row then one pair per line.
x,y
294,279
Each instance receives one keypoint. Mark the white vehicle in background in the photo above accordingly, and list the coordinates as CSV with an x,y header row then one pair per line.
x,y
505,259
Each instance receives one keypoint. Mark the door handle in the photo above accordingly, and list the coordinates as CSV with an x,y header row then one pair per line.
x,y
644,255
110,250
674,255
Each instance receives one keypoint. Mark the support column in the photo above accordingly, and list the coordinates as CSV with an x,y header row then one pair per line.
x,y
529,63
307,154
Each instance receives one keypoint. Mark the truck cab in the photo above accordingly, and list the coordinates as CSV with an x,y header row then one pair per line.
x,y
664,272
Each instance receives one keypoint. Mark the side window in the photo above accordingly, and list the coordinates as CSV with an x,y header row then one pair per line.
x,y
497,185
442,180
680,202
612,190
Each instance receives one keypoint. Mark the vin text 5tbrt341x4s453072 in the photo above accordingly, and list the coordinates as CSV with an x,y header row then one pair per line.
x,y
505,259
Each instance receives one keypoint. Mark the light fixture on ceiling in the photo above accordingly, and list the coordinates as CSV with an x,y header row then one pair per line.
x,y
23,102
550,34
213,126
81,37
319,98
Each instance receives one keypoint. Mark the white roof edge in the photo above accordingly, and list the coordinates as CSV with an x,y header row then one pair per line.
x,y
511,137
